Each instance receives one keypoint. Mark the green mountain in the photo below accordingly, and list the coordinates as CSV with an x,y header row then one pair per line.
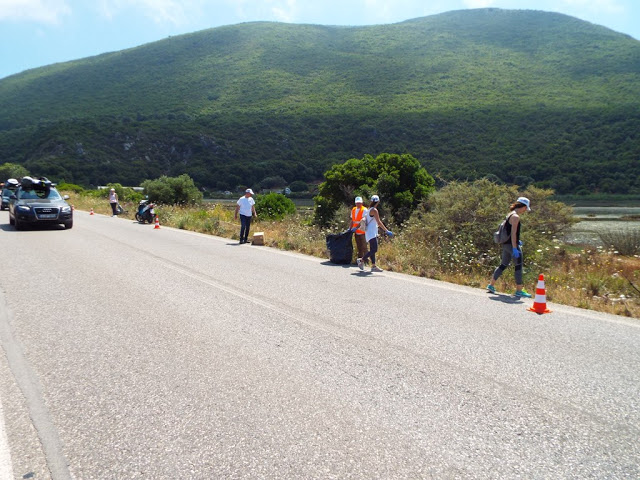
x,y
525,96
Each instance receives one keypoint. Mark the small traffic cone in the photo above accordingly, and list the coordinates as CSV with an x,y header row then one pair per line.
x,y
157,223
540,303
91,212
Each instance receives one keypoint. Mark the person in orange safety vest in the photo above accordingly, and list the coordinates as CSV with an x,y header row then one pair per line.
x,y
357,213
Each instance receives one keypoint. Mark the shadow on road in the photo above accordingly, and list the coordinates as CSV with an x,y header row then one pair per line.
x,y
360,273
327,263
10,228
500,297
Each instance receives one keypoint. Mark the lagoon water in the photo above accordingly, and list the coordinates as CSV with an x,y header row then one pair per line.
x,y
594,220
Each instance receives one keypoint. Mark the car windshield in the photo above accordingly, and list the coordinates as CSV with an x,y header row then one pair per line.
x,y
39,193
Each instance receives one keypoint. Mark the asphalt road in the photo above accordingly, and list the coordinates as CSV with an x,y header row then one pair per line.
x,y
130,352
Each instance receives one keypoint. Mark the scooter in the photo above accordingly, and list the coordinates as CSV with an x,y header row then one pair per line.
x,y
145,212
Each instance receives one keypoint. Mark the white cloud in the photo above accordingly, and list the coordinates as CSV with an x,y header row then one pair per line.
x,y
285,11
40,11
176,12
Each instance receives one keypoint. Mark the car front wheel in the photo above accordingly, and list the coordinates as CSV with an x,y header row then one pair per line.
x,y
18,224
68,225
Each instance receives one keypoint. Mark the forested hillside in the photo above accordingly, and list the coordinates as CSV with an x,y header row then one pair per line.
x,y
522,96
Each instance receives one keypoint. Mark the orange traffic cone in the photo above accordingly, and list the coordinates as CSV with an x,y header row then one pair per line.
x,y
540,303
91,212
157,223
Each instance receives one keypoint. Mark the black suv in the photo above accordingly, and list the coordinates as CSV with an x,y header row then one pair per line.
x,y
37,202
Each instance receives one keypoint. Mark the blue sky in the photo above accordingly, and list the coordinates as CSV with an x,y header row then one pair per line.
x,y
35,33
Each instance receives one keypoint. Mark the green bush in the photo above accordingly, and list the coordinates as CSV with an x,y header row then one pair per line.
x,y
70,187
274,206
173,190
456,224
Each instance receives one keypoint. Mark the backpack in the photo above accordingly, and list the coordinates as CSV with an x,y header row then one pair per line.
x,y
501,235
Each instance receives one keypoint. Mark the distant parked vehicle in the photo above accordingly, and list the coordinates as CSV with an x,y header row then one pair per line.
x,y
8,189
6,195
146,212
37,202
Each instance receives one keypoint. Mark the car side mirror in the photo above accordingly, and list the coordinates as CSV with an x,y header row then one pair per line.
x,y
66,197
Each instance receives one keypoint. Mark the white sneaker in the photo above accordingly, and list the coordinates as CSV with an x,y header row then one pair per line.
x,y
376,269
360,264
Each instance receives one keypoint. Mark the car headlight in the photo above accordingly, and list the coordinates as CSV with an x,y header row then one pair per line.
x,y
66,209
24,208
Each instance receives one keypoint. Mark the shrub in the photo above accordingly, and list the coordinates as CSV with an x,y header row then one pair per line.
x,y
70,187
456,224
624,241
173,190
274,206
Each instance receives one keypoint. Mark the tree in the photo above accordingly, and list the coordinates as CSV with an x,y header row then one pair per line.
x,y
172,190
12,170
400,181
299,186
274,205
273,182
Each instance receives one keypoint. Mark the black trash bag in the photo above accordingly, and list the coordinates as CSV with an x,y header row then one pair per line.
x,y
340,247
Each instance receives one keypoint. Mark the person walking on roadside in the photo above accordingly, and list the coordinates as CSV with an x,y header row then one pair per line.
x,y
511,248
113,201
357,214
246,208
372,219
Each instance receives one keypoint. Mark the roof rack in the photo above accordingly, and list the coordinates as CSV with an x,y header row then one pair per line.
x,y
30,182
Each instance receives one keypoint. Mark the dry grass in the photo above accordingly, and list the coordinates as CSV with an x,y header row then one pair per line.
x,y
593,279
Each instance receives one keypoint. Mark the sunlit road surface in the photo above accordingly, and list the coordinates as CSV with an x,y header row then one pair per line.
x,y
133,352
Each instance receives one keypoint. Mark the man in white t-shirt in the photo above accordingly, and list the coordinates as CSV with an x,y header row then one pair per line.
x,y
246,208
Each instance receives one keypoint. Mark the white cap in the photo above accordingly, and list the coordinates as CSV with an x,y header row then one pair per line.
x,y
248,190
375,198
524,201
358,199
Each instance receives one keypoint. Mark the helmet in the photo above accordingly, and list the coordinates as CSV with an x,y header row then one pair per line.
x,y
375,198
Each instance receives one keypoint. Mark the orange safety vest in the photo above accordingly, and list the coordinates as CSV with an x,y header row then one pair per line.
x,y
356,216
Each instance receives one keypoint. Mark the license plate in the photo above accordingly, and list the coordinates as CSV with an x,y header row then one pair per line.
x,y
47,215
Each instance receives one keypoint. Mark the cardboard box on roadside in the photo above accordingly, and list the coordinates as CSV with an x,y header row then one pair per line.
x,y
258,238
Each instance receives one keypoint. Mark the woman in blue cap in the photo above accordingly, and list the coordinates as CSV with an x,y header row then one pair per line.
x,y
511,248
